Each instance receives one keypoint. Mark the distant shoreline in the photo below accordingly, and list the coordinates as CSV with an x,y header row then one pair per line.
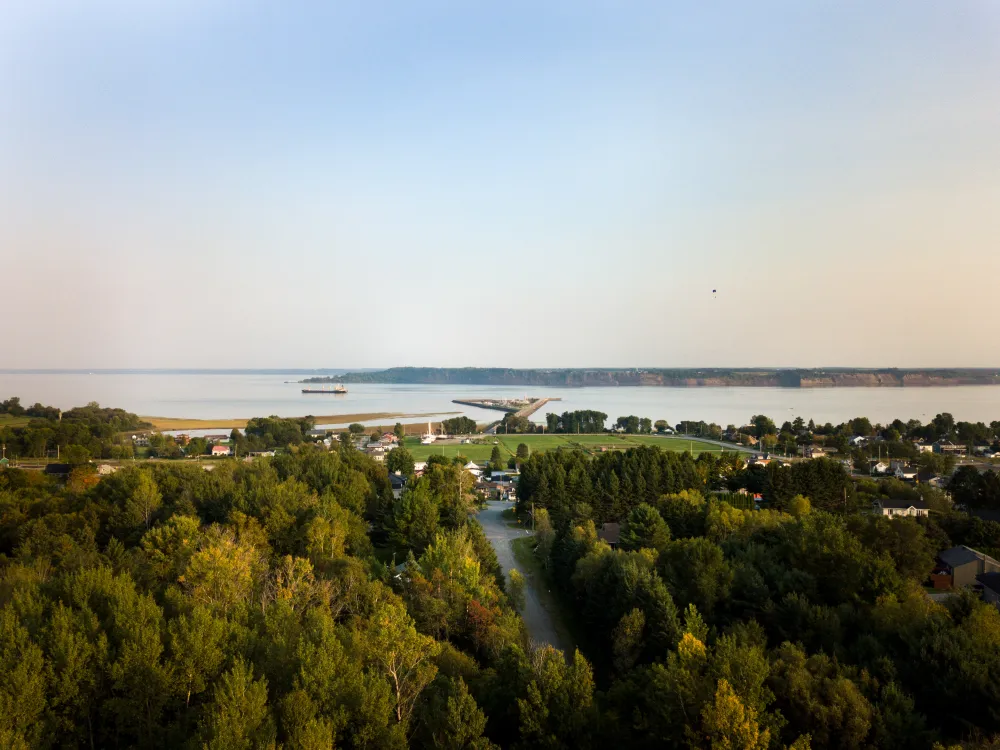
x,y
674,378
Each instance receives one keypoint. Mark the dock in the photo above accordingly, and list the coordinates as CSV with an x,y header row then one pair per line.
x,y
517,407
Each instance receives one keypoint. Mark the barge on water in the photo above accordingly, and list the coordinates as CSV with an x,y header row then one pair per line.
x,y
337,389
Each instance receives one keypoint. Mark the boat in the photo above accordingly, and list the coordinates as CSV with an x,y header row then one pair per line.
x,y
337,389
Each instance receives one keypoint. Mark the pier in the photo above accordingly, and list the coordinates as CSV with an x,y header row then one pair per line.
x,y
519,407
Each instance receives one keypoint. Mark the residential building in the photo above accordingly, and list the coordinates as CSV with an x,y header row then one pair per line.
x,y
221,450
905,474
140,441
857,441
610,533
812,451
897,508
419,467
990,583
879,467
958,567
475,469
923,446
398,483
946,446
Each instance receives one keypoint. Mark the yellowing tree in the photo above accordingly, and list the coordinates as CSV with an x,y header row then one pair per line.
x,y
221,574
730,725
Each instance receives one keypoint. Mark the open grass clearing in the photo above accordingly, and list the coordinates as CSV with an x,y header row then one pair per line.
x,y
593,444
7,420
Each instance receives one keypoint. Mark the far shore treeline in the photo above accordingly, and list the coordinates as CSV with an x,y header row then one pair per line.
x,y
673,377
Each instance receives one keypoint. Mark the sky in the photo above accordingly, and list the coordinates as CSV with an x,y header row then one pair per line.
x,y
206,183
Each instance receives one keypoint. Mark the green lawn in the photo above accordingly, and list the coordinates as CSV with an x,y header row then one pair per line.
x,y
590,443
6,420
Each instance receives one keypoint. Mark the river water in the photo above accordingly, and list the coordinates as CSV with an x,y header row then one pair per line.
x,y
248,394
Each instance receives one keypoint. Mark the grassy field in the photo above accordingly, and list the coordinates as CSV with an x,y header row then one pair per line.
x,y
592,444
6,420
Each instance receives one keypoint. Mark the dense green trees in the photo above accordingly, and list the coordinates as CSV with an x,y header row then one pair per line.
x,y
459,426
576,421
294,602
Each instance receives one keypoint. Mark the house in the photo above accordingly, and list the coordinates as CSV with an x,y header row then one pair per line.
x,y
140,441
897,508
473,468
182,439
104,470
610,533
419,467
879,467
389,437
221,450
398,483
991,587
857,441
377,451
905,474
958,567
923,446
216,438
946,446
812,451
4,462
761,460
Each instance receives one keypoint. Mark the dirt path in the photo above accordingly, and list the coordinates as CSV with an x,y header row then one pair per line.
x,y
537,618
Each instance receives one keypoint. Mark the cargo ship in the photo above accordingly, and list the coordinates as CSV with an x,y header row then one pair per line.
x,y
337,389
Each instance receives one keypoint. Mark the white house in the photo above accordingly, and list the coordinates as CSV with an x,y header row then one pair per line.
x,y
858,440
880,467
221,450
475,469
897,508
905,474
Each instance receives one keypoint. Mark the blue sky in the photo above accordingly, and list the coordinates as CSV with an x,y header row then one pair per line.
x,y
199,184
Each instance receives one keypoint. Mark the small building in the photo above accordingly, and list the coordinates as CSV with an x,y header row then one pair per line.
x,y
140,441
4,462
879,467
104,470
57,470
923,446
858,441
905,474
473,468
959,567
221,450
389,437
898,508
812,451
398,484
610,533
946,446
419,467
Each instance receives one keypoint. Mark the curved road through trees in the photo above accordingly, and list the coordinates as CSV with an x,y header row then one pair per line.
x,y
538,619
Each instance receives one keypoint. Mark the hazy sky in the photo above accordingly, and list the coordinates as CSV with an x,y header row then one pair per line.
x,y
263,184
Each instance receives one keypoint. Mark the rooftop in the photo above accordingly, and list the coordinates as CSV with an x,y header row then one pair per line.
x,y
957,556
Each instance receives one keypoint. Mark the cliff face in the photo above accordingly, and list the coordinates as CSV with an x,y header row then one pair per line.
x,y
673,378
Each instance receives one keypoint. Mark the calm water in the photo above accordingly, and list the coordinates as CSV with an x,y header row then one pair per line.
x,y
217,396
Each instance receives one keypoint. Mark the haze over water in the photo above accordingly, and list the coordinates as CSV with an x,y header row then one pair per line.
x,y
250,394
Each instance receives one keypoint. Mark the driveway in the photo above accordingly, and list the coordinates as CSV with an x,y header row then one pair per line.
x,y
537,618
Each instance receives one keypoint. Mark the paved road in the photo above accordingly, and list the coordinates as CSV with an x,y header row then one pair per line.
x,y
537,619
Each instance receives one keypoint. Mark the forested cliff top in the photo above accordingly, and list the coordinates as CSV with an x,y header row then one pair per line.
x,y
680,377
